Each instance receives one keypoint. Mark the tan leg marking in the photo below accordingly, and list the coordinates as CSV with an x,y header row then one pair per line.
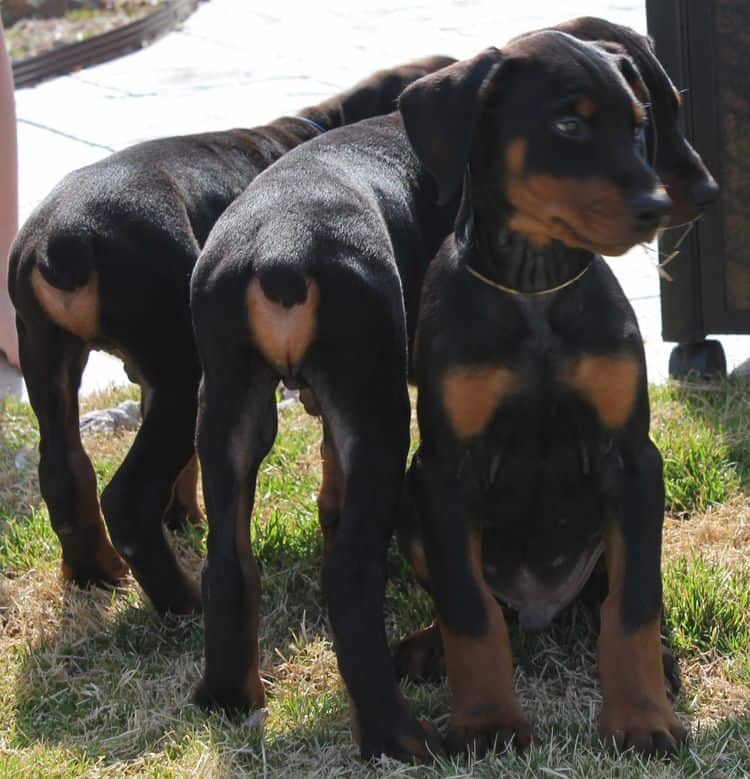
x,y
630,666
609,384
92,546
253,684
419,657
76,312
282,334
480,671
471,395
331,495
185,492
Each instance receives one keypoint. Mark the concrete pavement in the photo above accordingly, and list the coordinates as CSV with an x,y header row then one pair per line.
x,y
235,63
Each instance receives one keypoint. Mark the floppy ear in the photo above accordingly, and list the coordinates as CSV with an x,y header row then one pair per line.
x,y
611,47
632,75
440,112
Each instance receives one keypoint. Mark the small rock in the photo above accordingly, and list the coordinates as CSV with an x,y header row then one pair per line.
x,y
20,461
126,416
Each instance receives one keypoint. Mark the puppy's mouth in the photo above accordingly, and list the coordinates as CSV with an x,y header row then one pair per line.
x,y
559,229
611,249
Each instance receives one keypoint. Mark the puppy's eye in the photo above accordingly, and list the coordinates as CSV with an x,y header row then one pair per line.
x,y
572,127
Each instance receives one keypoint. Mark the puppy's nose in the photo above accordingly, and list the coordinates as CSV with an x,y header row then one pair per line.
x,y
650,208
704,191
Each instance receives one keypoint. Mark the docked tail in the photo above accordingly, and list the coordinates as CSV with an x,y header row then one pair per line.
x,y
64,258
68,259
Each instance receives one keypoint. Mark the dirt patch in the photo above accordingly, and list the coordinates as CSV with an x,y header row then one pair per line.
x,y
29,37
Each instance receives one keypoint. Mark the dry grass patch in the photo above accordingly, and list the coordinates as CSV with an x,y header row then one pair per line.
x,y
96,685
720,534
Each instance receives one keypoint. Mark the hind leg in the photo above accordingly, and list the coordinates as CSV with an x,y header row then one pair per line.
x,y
52,362
420,657
366,417
236,429
137,498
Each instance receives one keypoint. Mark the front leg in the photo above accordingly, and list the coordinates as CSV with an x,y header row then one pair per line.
x,y
636,711
478,656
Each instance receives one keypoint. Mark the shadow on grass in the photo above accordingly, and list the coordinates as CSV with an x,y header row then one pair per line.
x,y
114,682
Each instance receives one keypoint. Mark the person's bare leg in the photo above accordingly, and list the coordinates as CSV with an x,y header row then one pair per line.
x,y
8,202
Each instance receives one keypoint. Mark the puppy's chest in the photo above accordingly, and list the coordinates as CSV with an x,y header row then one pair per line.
x,y
539,427
532,371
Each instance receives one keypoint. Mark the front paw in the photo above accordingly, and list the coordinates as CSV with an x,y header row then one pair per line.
x,y
230,699
89,559
410,740
650,729
485,731
181,598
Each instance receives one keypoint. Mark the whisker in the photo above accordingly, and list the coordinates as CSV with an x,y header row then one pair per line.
x,y
661,266
652,250
681,224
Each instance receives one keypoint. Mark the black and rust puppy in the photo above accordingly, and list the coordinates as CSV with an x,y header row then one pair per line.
x,y
313,276
535,455
105,262
690,187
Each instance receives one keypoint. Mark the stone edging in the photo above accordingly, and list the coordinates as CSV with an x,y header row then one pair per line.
x,y
101,48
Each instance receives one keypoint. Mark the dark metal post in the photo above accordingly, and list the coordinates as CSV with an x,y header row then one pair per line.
x,y
705,47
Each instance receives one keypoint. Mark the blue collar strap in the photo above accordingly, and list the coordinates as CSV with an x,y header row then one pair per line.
x,y
310,121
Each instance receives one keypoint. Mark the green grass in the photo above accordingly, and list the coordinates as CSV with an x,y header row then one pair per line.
x,y
708,607
703,435
95,684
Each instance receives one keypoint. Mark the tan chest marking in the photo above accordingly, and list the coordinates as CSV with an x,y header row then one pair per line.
x,y
282,334
609,384
76,311
472,393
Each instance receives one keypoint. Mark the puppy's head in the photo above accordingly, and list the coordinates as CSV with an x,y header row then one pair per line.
x,y
552,131
689,183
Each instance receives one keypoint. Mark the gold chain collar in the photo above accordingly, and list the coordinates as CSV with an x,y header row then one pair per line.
x,y
537,293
